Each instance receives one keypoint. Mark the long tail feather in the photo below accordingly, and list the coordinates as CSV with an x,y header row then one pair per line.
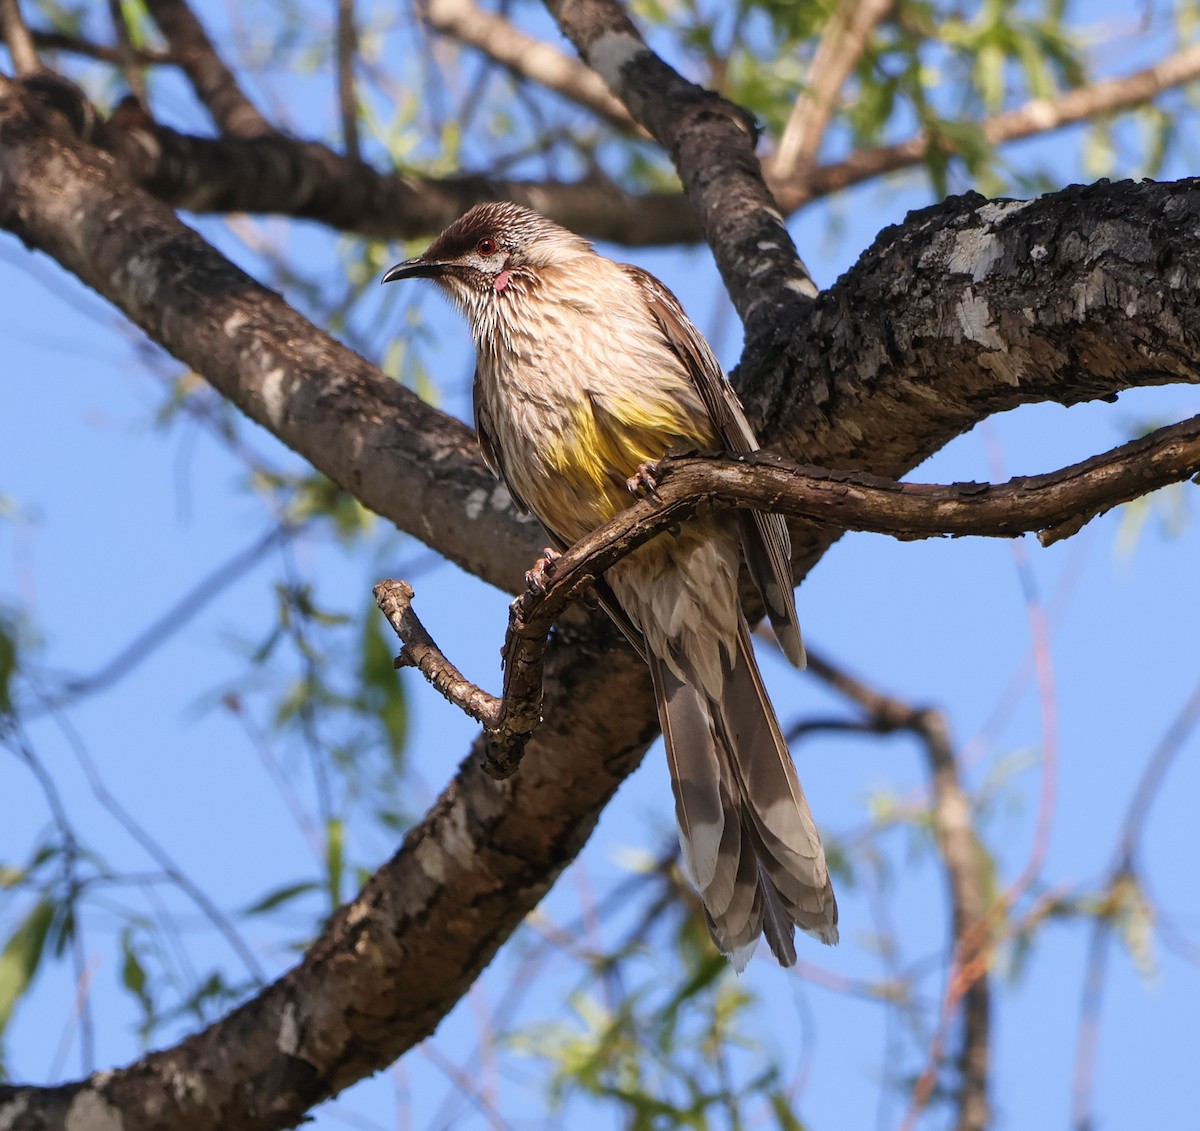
x,y
787,843
694,762
748,839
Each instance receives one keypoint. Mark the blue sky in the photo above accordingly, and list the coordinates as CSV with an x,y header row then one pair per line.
x,y
113,519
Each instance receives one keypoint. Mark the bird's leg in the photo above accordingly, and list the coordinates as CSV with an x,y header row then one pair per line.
x,y
538,578
644,481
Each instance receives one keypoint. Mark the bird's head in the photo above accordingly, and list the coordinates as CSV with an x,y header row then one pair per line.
x,y
489,248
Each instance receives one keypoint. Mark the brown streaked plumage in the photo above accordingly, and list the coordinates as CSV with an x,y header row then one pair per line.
x,y
586,370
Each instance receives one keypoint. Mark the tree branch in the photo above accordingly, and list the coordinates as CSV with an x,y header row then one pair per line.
x,y
1055,505
17,37
528,56
76,45
711,142
347,49
309,180
214,83
842,45
1039,116
958,848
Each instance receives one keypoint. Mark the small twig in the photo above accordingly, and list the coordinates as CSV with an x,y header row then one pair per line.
x,y
394,599
842,45
20,42
214,83
142,646
1122,871
967,983
1039,116
76,45
531,58
347,49
127,56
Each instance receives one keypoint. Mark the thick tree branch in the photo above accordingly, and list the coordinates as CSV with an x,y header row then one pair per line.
x,y
527,56
974,307
842,45
711,142
214,83
309,180
391,965
373,437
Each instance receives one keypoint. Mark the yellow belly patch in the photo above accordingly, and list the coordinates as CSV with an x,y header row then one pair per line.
x,y
609,438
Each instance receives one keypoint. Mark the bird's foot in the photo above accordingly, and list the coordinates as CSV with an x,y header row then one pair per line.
x,y
644,481
538,578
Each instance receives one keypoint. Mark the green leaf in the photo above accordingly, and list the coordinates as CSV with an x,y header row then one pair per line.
x,y
8,661
382,694
135,979
280,896
335,860
785,1118
22,955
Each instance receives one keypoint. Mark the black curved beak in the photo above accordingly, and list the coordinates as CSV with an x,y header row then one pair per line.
x,y
419,268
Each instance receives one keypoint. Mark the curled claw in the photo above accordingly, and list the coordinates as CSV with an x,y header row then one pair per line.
x,y
644,481
538,578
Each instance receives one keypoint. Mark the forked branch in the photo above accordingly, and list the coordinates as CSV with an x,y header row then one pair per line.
x,y
1055,505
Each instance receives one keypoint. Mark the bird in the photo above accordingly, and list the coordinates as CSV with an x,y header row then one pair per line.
x,y
588,371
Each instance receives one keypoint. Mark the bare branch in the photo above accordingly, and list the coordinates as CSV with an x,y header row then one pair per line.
x,y
842,45
309,180
1057,504
214,83
379,441
712,143
347,49
76,45
394,599
528,56
508,722
1120,888
127,56
16,35
1039,116
958,848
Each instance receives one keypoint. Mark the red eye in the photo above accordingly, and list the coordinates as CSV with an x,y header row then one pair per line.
x,y
486,246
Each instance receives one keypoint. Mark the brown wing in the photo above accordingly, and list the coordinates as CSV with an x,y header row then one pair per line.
x,y
765,541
